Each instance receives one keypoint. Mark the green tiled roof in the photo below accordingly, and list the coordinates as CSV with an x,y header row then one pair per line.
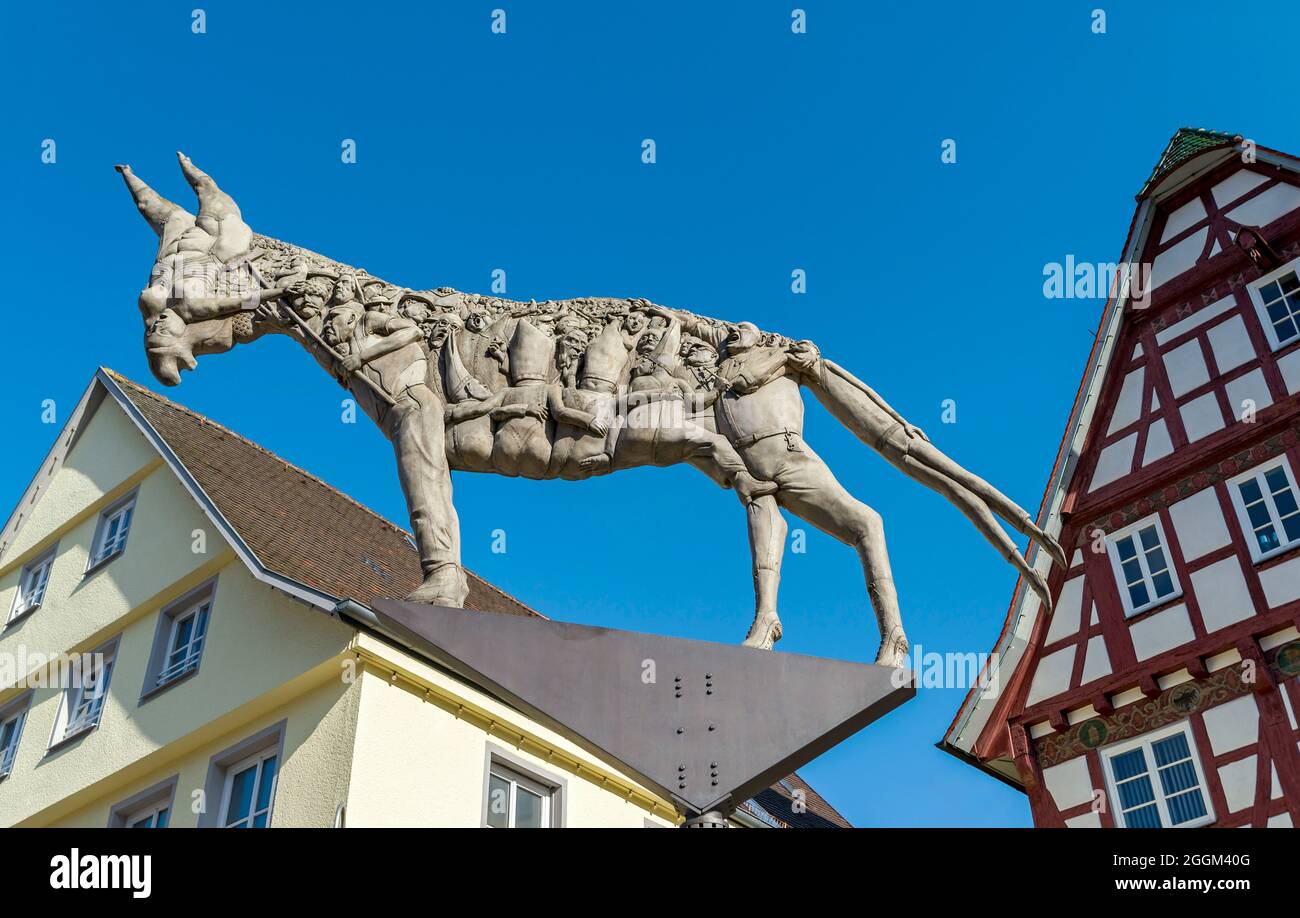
x,y
1186,143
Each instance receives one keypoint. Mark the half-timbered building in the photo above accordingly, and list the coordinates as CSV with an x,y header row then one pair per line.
x,y
1162,690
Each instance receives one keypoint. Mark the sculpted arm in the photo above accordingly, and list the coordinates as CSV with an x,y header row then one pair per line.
x,y
469,410
574,417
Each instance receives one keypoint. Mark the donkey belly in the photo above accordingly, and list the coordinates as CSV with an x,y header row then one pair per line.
x,y
469,445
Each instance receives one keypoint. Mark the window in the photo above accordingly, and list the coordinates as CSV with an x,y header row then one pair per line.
x,y
241,781
1265,499
12,718
83,700
250,788
1277,300
31,585
179,639
1142,566
110,534
517,797
149,809
1156,781
154,817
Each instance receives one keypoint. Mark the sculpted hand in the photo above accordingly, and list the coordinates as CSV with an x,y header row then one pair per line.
x,y
350,364
538,411
599,428
914,433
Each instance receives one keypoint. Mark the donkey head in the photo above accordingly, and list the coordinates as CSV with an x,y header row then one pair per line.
x,y
204,289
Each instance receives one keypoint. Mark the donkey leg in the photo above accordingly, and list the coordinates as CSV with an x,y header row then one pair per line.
x,y
808,489
418,440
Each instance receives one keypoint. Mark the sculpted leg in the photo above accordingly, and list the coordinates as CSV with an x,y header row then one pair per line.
x,y
417,435
928,454
767,531
978,513
808,489
722,455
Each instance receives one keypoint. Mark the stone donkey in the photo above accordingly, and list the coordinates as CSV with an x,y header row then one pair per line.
x,y
559,389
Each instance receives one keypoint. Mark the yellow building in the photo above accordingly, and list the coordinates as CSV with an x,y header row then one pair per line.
x,y
174,655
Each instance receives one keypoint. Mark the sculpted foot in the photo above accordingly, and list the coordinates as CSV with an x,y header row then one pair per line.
x,y
893,649
443,587
1053,548
1045,541
765,632
1038,583
749,489
595,464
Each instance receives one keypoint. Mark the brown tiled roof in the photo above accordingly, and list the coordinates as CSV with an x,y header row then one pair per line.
x,y
778,801
298,526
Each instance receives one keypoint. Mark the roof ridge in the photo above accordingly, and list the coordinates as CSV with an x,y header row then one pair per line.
x,y
315,479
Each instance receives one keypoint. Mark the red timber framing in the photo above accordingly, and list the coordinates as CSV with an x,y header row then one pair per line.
x,y
1138,690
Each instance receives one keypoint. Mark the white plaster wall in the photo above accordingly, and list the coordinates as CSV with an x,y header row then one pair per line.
x,y
313,777
1097,662
1233,724
1267,206
1289,364
1230,344
1238,780
1128,406
1185,367
1183,218
1162,631
418,765
1198,522
1249,391
1222,594
1069,783
1201,416
1065,617
1052,676
1114,462
1235,185
1177,259
1158,444
1281,583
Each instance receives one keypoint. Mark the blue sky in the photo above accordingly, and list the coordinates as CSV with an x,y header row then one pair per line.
x,y
522,151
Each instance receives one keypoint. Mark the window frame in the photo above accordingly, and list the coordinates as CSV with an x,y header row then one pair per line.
x,y
225,764
1256,473
555,787
15,710
1146,741
124,504
258,761
169,618
63,733
1254,289
20,610
149,801
1133,531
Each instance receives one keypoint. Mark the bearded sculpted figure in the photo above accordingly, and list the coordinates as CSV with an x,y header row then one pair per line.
x,y
559,389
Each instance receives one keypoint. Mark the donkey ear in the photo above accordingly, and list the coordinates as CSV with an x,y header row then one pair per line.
x,y
155,209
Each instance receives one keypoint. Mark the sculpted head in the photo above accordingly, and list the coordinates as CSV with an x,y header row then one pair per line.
x,y
743,336
478,320
699,354
634,323
443,324
339,324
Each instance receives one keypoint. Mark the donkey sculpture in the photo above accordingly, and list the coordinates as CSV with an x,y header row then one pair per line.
x,y
558,389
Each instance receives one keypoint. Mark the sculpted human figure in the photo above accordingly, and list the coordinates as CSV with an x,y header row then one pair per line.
x,y
458,380
522,445
388,350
